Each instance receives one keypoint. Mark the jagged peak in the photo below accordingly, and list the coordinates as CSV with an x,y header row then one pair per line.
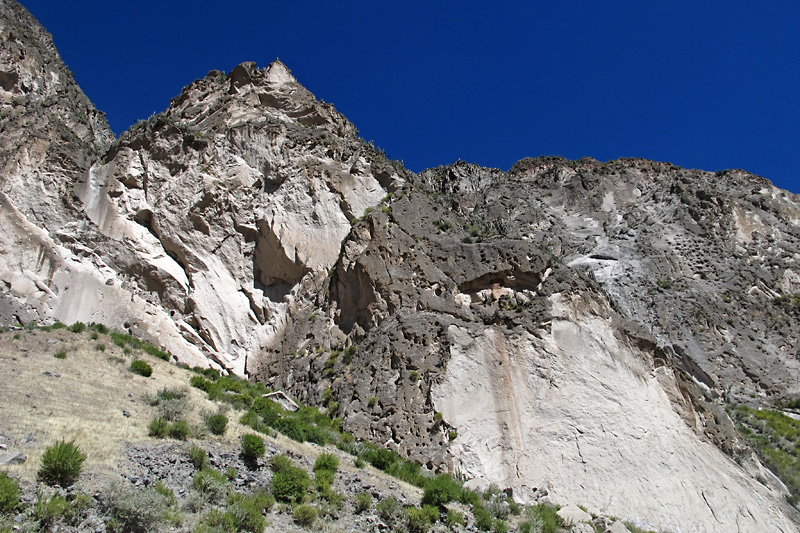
x,y
279,74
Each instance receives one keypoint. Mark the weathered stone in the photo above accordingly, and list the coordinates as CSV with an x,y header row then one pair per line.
x,y
13,458
571,514
617,527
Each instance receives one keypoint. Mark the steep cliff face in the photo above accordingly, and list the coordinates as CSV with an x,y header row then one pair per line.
x,y
480,343
567,327
198,225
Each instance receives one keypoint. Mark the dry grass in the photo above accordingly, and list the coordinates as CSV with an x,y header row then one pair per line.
x,y
86,403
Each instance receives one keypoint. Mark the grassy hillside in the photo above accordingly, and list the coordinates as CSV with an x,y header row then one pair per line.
x,y
168,447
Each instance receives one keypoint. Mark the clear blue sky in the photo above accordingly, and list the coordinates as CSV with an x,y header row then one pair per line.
x,y
709,85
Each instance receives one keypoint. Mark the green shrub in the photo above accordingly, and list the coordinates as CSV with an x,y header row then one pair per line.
x,y
419,520
280,462
142,368
363,502
500,526
349,353
546,515
290,484
180,430
372,401
245,511
454,518
158,428
389,510
252,447
198,457
776,439
165,491
155,352
60,354
212,484
61,464
326,461
77,327
99,328
136,510
9,493
441,490
251,419
483,518
217,423
380,458
48,509
304,514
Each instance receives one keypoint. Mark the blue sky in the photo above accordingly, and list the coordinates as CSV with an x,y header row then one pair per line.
x,y
710,85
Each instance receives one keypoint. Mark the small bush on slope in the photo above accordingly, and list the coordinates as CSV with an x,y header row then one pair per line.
x,y
9,493
61,464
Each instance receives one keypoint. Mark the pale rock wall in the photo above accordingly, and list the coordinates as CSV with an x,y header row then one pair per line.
x,y
586,416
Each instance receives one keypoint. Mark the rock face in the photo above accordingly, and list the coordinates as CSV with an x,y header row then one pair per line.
x,y
566,328
198,226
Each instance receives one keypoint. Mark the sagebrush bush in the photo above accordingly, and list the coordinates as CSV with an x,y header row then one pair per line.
x,y
136,510
9,493
213,485
61,464
48,509
304,514
141,367
252,447
171,403
217,423
77,327
389,510
546,515
498,507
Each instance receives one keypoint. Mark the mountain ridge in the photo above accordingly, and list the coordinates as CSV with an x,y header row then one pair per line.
x,y
249,228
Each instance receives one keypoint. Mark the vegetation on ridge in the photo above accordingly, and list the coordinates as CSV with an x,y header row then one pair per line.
x,y
776,439
216,497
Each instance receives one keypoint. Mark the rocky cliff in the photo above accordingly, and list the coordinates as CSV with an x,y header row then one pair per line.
x,y
571,328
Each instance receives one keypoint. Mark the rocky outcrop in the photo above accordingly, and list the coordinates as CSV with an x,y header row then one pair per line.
x,y
566,328
198,225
